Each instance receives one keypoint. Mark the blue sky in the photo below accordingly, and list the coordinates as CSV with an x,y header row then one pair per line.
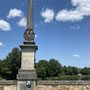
x,y
62,29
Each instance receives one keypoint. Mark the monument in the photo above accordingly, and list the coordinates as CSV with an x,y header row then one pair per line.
x,y
26,77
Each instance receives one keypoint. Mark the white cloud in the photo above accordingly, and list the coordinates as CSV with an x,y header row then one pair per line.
x,y
5,26
22,22
82,9
48,14
76,55
1,44
15,13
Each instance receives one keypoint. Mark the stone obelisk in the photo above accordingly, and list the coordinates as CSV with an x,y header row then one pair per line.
x,y
26,77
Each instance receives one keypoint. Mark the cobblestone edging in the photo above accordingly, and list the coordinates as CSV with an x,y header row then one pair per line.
x,y
48,82
58,82
8,82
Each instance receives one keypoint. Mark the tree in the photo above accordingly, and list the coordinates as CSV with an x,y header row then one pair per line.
x,y
85,71
0,68
70,70
75,70
42,68
64,70
11,64
5,72
54,67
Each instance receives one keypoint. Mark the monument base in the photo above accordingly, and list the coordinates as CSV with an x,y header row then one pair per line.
x,y
23,77
27,75
22,85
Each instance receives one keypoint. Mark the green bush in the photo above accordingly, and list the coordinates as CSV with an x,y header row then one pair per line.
x,y
85,77
68,77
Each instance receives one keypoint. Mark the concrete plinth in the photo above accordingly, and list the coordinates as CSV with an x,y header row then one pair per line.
x,y
28,56
27,75
21,85
27,71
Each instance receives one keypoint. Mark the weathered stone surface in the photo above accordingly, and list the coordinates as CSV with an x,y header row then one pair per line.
x,y
29,33
59,82
28,58
8,82
1,88
27,75
62,87
8,87
21,85
50,85
13,87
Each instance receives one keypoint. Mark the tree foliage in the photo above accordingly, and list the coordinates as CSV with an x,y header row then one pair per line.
x,y
70,70
42,68
85,71
10,65
54,68
45,69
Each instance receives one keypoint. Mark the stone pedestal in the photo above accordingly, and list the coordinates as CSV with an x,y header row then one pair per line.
x,y
27,71
21,85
